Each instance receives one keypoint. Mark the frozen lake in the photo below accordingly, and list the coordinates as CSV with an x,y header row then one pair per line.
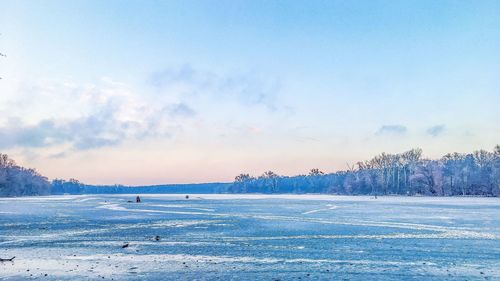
x,y
250,237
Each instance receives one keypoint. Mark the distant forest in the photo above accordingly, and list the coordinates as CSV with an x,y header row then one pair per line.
x,y
407,173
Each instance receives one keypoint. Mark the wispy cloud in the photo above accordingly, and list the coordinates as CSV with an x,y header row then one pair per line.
x,y
436,130
66,116
84,133
391,130
245,88
57,155
181,110
93,116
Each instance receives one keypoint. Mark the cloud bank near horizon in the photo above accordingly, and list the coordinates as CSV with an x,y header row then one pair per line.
x,y
107,113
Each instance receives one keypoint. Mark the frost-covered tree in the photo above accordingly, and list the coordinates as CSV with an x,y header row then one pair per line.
x,y
71,186
406,173
315,172
496,171
241,182
271,179
18,181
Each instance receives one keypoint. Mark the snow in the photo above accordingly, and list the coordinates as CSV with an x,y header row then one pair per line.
x,y
330,207
249,237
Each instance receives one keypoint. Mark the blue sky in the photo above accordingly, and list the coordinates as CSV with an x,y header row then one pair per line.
x,y
146,92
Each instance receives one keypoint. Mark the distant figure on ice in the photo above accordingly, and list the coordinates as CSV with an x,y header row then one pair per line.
x,y
137,199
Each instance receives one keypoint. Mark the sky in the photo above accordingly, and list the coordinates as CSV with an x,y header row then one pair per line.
x,y
152,92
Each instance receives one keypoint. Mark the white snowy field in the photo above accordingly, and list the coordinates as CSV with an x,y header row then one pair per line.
x,y
249,237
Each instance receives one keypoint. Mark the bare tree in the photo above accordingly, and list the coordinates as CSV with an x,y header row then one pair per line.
x,y
315,172
272,177
242,181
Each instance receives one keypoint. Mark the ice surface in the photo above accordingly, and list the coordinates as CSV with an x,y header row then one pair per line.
x,y
250,237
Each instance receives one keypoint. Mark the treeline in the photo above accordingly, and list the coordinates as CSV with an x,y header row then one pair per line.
x,y
73,186
407,173
18,181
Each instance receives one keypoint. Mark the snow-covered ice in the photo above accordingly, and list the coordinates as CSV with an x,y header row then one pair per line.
x,y
249,237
